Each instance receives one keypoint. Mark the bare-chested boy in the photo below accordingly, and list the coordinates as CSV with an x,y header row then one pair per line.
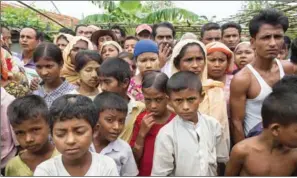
x,y
273,152
252,84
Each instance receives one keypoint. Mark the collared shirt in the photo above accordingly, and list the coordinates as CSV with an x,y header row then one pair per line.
x,y
185,149
50,97
20,56
120,151
134,109
8,140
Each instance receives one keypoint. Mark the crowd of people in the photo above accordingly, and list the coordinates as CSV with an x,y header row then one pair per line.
x,y
96,102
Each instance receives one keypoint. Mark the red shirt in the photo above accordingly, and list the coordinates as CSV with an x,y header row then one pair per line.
x,y
146,161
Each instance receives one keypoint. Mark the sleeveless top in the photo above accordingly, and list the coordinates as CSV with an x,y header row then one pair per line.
x,y
253,118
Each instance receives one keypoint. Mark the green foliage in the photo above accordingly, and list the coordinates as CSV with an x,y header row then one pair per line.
x,y
137,12
23,17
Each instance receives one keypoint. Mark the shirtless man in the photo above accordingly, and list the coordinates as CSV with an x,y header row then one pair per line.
x,y
273,152
252,84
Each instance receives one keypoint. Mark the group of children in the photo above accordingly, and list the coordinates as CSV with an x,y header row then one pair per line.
x,y
104,118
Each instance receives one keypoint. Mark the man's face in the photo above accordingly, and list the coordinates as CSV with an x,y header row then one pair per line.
x,y
118,34
143,35
268,41
84,31
28,39
164,35
211,36
231,38
6,37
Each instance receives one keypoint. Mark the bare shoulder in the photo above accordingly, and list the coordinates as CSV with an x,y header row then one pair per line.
x,y
242,79
289,67
243,148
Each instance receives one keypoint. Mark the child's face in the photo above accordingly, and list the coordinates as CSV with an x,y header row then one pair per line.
x,y
112,85
185,103
287,135
244,54
155,101
32,134
72,137
111,124
88,74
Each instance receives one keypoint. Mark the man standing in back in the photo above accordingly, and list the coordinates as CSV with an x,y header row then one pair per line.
x,y
253,83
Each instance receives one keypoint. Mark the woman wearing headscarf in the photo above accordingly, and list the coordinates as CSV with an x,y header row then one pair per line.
x,y
110,49
191,55
74,46
62,40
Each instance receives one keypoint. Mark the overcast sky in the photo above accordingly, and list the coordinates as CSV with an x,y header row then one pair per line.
x,y
78,9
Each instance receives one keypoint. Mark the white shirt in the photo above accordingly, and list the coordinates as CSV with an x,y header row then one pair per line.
x,y
75,92
185,149
101,166
132,104
121,152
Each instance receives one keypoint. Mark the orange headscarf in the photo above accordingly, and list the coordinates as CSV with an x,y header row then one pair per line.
x,y
68,70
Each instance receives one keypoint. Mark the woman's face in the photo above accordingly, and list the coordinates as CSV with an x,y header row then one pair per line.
x,y
102,39
132,65
129,45
88,74
80,45
147,61
217,64
62,43
109,51
193,60
244,54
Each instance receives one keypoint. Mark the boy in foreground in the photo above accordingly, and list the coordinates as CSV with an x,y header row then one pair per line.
x,y
191,144
273,152
29,117
73,118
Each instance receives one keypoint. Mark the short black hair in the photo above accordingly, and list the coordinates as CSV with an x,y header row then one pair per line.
x,y
39,35
294,51
48,51
268,16
231,25
123,33
131,38
156,80
79,25
183,80
287,84
163,24
116,68
279,107
110,100
27,107
67,31
176,60
85,56
72,106
209,26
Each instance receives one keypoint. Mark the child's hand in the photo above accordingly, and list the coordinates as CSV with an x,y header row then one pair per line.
x,y
146,124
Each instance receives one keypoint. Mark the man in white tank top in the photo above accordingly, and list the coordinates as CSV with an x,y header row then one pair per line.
x,y
253,83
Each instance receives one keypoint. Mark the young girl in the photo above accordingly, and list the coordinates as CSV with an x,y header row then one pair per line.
x,y
128,57
87,64
62,40
76,44
191,55
147,59
110,49
149,122
49,61
243,54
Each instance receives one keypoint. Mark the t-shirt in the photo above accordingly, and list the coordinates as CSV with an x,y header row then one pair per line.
x,y
101,166
16,167
146,161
